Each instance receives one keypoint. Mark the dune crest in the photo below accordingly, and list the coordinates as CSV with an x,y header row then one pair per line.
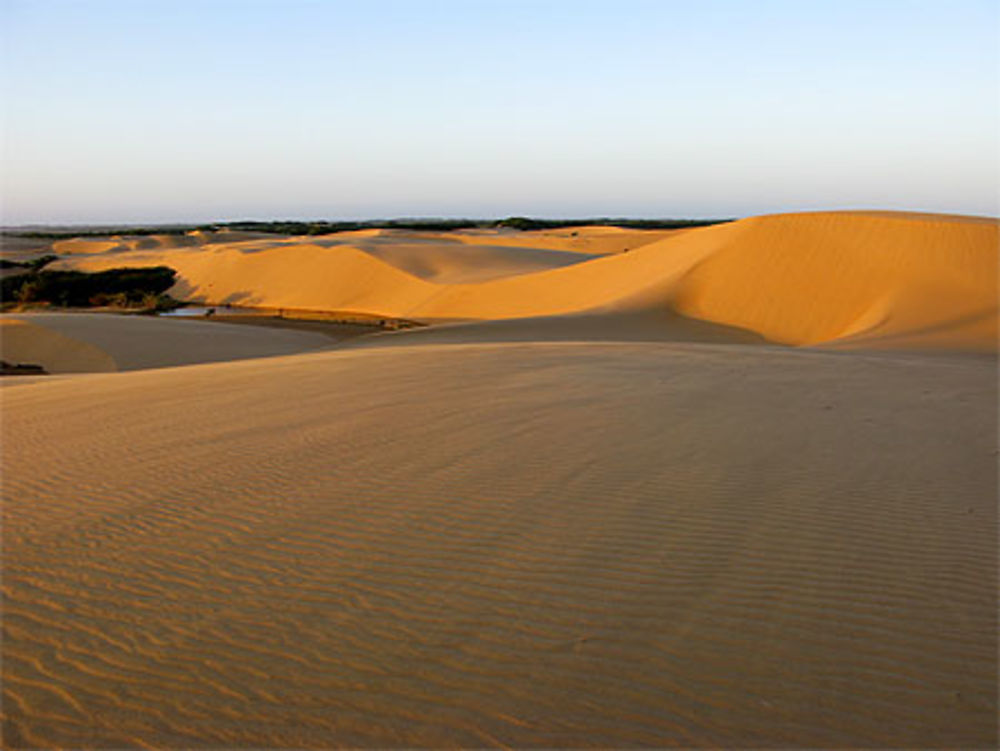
x,y
847,279
807,279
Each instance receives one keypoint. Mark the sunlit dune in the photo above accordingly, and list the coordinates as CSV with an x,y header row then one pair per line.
x,y
448,263
597,240
733,487
86,246
868,279
857,279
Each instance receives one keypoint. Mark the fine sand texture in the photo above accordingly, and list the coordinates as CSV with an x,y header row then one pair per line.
x,y
733,487
524,544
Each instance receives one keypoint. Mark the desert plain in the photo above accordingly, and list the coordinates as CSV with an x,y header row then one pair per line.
x,y
729,486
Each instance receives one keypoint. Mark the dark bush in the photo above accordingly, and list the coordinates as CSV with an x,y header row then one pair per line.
x,y
126,286
526,223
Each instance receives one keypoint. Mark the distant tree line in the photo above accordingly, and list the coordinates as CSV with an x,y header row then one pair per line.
x,y
526,223
326,228
64,234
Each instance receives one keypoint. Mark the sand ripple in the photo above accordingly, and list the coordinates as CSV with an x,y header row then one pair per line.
x,y
556,545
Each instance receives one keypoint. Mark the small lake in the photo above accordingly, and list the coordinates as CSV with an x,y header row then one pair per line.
x,y
194,311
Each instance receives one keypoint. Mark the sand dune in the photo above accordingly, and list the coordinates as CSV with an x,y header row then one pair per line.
x,y
597,240
93,342
23,341
447,264
120,243
641,326
85,246
523,545
189,240
608,506
877,280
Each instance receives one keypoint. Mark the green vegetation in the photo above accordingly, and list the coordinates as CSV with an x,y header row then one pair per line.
x,y
448,225
142,288
326,227
525,223
65,234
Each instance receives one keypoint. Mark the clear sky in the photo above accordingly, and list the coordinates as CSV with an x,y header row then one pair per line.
x,y
178,110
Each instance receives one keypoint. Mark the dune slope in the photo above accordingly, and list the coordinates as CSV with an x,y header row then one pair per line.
x,y
604,509
523,545
922,280
876,280
451,263
23,341
94,342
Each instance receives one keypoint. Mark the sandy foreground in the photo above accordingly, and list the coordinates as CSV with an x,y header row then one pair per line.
x,y
95,342
613,524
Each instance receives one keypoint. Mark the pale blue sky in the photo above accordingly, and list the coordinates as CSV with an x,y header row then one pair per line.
x,y
146,111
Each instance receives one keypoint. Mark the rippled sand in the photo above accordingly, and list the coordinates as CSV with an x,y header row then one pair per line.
x,y
522,544
605,510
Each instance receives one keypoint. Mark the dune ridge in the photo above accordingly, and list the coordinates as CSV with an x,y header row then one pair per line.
x,y
848,279
821,278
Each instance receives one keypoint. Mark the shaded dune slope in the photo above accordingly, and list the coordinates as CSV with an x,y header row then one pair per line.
x,y
24,341
640,326
81,342
853,279
462,264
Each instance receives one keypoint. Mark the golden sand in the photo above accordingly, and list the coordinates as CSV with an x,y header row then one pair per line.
x,y
621,517
879,280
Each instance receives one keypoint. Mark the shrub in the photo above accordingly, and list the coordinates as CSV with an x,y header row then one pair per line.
x,y
28,292
122,287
